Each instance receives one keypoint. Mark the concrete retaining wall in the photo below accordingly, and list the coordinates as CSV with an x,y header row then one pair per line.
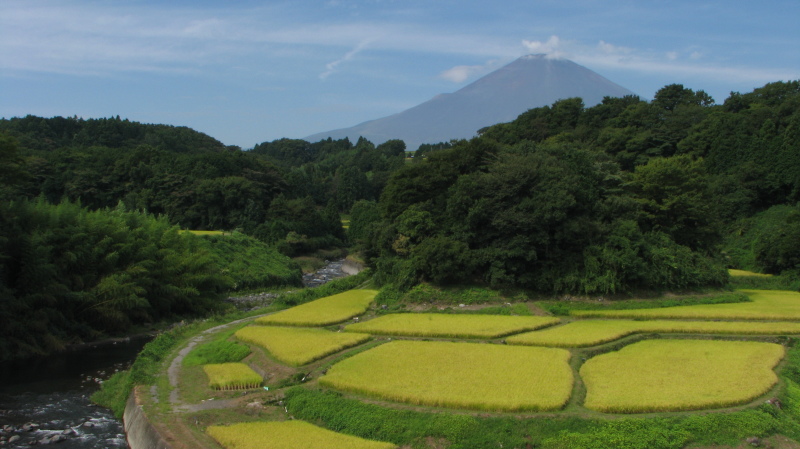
x,y
141,434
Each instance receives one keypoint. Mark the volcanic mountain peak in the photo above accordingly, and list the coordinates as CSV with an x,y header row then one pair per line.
x,y
529,82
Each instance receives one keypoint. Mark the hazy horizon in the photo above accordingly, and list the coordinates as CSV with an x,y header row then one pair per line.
x,y
246,72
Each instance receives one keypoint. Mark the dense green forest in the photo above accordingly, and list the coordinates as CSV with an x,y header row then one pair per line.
x,y
624,196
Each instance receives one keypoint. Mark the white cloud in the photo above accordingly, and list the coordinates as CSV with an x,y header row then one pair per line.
x,y
460,73
552,47
605,54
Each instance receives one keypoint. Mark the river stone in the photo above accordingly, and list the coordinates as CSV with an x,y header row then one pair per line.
x,y
14,439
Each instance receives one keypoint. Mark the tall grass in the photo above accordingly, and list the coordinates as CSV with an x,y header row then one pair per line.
x,y
676,375
460,375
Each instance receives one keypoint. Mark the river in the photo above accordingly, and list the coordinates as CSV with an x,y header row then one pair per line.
x,y
53,392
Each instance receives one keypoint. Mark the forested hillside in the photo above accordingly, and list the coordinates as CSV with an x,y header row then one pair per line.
x,y
625,195
622,196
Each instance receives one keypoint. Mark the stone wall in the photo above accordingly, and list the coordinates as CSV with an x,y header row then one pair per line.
x,y
141,434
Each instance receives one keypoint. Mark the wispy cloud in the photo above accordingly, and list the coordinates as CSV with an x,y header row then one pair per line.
x,y
331,66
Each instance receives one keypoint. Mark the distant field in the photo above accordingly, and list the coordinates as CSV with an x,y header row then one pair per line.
x,y
299,346
445,325
474,376
231,376
765,305
594,332
287,435
324,311
206,232
676,375
734,272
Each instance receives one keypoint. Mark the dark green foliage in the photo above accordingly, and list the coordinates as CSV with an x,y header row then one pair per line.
x,y
334,169
767,242
47,134
251,263
364,217
622,196
70,274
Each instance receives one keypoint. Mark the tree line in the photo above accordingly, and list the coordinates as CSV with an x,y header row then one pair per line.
x,y
625,195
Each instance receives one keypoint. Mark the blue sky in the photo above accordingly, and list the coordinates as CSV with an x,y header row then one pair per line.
x,y
246,72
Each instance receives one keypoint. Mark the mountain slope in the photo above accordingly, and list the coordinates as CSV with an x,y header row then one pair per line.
x,y
529,82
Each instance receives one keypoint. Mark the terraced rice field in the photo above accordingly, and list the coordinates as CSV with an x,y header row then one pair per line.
x,y
455,326
765,305
287,435
231,376
299,346
734,272
676,375
324,311
594,332
461,375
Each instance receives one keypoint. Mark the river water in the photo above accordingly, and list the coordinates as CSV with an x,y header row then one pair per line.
x,y
53,392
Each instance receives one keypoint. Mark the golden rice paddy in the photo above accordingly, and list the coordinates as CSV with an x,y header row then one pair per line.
x,y
740,273
231,376
476,376
287,435
676,375
594,332
455,326
765,305
324,311
299,346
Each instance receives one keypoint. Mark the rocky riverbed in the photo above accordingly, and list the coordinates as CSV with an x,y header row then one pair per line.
x,y
334,269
